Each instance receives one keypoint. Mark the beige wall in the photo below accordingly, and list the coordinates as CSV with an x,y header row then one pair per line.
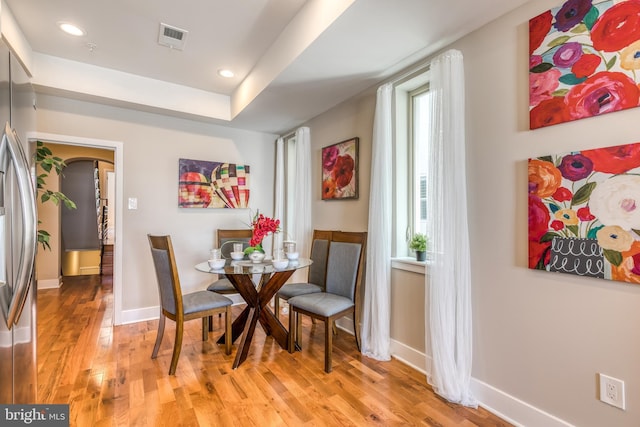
x,y
538,337
152,145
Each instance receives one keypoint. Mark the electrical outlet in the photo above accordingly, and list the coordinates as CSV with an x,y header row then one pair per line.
x,y
612,391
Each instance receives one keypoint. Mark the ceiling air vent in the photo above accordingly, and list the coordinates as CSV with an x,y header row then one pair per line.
x,y
172,37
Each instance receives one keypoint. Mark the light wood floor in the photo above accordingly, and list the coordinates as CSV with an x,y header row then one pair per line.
x,y
107,376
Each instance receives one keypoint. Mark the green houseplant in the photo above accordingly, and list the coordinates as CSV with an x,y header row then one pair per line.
x,y
419,244
48,162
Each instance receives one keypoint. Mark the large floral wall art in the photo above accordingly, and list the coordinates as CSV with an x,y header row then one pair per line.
x,y
584,213
204,184
584,60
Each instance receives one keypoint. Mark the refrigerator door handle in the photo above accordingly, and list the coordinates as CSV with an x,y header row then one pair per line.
x,y
29,223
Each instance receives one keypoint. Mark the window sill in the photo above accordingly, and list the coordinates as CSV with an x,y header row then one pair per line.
x,y
409,264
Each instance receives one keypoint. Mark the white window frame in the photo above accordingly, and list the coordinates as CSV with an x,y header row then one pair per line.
x,y
404,181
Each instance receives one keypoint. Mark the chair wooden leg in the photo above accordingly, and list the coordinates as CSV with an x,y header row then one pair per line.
x,y
227,330
177,346
328,345
292,330
276,306
205,328
210,323
355,332
334,328
156,347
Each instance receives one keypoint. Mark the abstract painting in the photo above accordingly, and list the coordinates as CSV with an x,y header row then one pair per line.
x,y
584,213
204,184
584,58
340,170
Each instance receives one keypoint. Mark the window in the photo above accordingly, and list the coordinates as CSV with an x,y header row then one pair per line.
x,y
412,127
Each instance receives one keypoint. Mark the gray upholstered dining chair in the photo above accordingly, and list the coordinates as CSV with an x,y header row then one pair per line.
x,y
317,271
345,267
179,307
226,239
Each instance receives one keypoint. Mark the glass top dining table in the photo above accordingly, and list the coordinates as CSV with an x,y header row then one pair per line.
x,y
257,295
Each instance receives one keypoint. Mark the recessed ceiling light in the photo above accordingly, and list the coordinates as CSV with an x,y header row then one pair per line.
x,y
69,28
225,73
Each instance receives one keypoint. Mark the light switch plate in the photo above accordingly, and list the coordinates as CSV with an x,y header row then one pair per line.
x,y
133,203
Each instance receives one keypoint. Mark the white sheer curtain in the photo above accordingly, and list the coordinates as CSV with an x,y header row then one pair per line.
x,y
278,211
449,278
302,192
376,311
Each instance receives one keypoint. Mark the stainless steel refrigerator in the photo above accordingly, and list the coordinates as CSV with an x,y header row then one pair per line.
x,y
18,241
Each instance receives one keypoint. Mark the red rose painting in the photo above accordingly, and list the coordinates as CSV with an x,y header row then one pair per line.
x,y
340,170
584,60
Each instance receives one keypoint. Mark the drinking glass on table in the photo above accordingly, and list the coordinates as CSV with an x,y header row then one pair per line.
x,y
237,247
216,253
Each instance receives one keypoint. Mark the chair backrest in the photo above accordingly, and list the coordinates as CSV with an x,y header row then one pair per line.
x,y
345,265
319,254
226,239
166,273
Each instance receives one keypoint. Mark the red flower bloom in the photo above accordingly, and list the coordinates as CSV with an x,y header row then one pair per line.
x,y
601,93
585,214
548,112
538,218
343,170
586,65
539,252
563,194
618,159
557,225
618,27
538,28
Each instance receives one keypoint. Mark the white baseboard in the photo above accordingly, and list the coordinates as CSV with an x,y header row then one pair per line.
x,y
140,315
511,408
49,284
507,407
410,356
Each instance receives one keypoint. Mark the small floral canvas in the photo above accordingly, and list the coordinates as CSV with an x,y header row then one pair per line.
x,y
583,60
340,170
584,213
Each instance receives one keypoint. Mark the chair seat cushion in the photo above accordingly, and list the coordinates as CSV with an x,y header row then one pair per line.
x,y
222,285
203,300
295,289
323,303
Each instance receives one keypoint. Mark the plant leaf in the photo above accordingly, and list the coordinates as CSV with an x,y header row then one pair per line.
x,y
558,41
591,17
560,92
592,233
611,62
553,207
546,159
573,229
548,236
580,28
614,257
583,193
541,68
571,79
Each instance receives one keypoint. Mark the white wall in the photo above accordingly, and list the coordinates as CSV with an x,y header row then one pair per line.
x,y
152,146
539,338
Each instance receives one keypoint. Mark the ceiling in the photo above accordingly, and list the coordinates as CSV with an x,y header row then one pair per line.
x,y
292,59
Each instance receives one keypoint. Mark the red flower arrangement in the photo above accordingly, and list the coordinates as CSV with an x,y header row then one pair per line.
x,y
262,226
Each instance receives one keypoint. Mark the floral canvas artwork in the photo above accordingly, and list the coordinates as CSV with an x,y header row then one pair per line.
x,y
204,184
340,170
584,58
584,213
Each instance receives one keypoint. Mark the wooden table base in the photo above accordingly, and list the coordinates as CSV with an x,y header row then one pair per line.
x,y
257,310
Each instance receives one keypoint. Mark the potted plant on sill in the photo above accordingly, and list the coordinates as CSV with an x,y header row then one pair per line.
x,y
419,244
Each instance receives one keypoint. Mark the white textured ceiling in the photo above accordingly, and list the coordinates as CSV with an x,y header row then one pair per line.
x,y
365,43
